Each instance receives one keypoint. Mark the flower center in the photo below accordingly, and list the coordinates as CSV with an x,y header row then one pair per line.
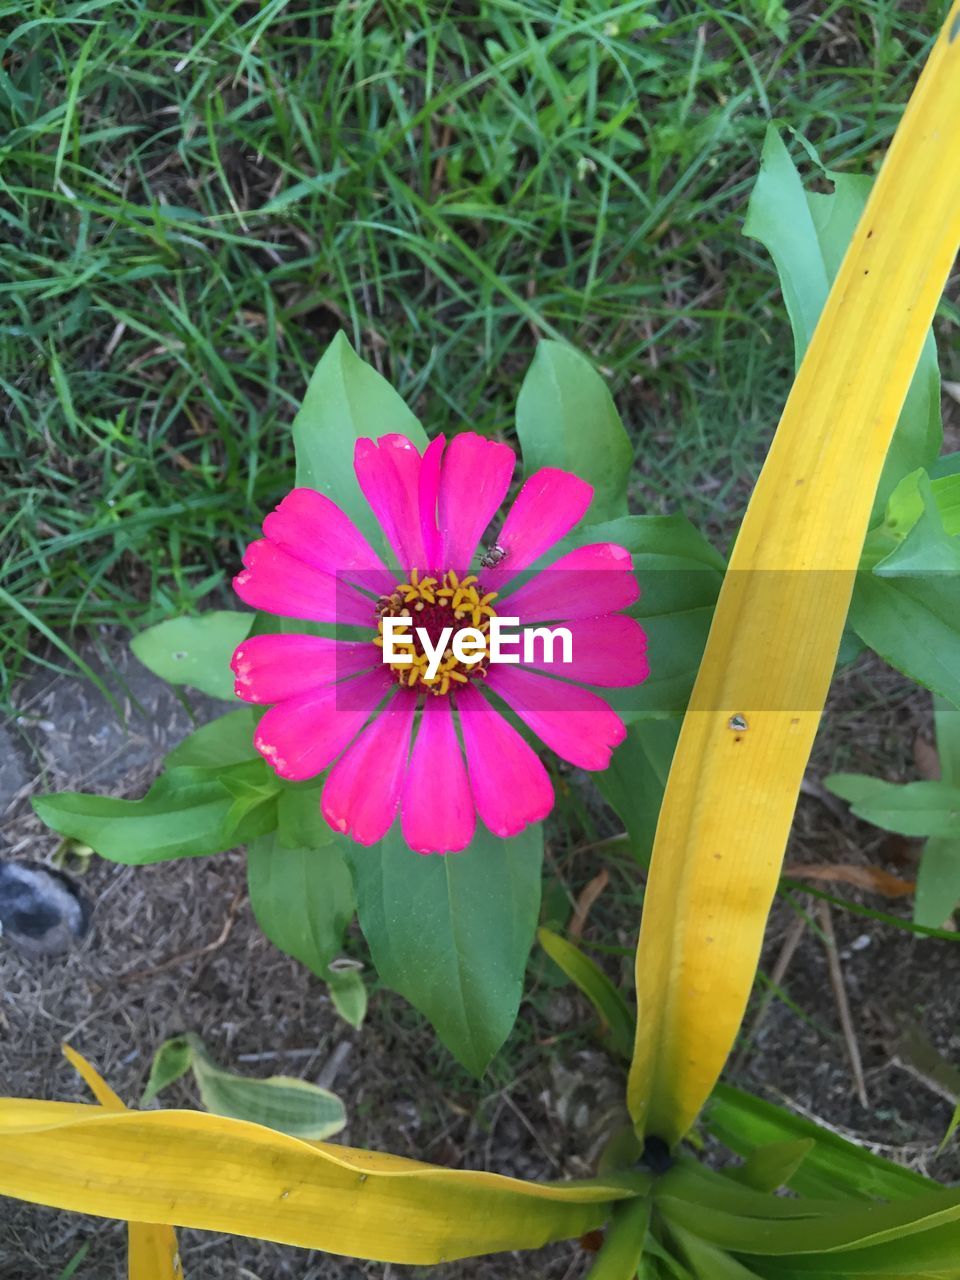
x,y
434,604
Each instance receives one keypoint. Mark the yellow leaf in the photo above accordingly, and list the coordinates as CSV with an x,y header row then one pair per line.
x,y
763,680
193,1169
152,1253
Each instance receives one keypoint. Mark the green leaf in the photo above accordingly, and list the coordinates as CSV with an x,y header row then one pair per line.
x,y
634,782
452,933
951,1128
947,721
302,898
170,1062
856,788
911,809
914,625
614,1012
833,1167
300,824
695,1183
915,496
249,797
779,216
346,400
866,1232
948,464
566,418
622,1248
769,1167
185,814
288,1105
195,651
709,1262
807,235
349,994
679,574
927,547
224,741
938,882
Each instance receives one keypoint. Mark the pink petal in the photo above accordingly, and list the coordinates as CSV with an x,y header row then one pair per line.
x,y
610,651
510,786
301,736
436,810
476,477
592,580
362,791
429,494
277,582
276,667
575,723
550,503
311,527
388,472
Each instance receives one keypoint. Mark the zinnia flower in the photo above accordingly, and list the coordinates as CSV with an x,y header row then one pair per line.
x,y
340,704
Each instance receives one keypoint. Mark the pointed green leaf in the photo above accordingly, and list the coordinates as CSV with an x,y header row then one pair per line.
x,y
679,574
224,741
912,809
938,882
926,547
834,1166
947,721
452,934
348,992
707,1261
346,400
849,1229
807,236
623,1244
634,781
195,651
186,813
300,824
302,898
290,1106
769,1167
170,1062
566,418
779,216
615,1014
914,625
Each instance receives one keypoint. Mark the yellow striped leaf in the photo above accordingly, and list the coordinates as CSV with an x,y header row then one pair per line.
x,y
152,1252
763,680
192,1169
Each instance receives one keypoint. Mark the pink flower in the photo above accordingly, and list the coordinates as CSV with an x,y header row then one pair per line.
x,y
340,706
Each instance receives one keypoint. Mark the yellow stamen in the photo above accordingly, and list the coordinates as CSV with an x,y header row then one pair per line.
x,y
446,601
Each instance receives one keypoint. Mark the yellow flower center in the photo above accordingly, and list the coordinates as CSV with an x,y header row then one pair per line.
x,y
433,604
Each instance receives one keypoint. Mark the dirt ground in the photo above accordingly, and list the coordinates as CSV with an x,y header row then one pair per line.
x,y
174,947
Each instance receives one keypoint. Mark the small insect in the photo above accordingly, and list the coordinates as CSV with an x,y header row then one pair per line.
x,y
738,723
493,556
385,604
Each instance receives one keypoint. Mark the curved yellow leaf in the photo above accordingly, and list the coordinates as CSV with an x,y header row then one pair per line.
x,y
193,1169
152,1252
92,1078
763,680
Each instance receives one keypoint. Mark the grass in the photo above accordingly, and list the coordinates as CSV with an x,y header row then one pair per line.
x,y
194,198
